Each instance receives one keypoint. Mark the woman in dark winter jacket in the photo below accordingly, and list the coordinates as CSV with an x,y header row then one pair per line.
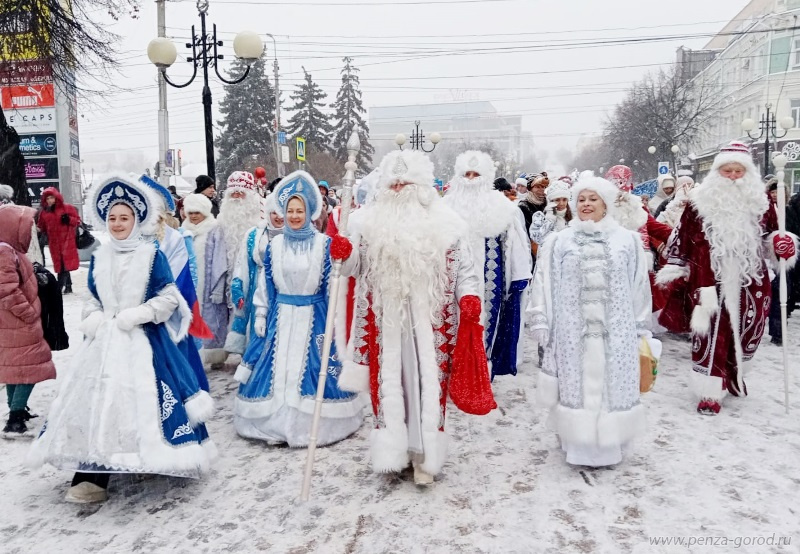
x,y
59,221
25,357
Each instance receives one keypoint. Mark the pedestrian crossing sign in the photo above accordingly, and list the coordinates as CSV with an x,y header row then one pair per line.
x,y
301,149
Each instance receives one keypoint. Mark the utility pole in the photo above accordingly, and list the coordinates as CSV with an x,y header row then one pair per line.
x,y
163,114
278,159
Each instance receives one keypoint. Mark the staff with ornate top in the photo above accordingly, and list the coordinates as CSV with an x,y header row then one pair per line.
x,y
353,146
779,162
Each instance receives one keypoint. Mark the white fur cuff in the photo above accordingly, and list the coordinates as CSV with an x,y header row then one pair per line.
x,y
389,449
199,408
706,308
242,374
546,390
670,273
707,386
354,377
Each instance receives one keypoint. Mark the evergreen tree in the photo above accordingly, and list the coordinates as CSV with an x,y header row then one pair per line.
x,y
248,110
308,121
348,117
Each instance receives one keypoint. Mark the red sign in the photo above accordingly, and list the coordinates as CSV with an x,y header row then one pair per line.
x,y
29,72
29,96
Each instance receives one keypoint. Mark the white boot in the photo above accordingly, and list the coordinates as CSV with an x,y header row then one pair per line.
x,y
421,477
86,493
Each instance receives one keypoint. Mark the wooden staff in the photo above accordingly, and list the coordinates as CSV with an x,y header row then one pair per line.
x,y
780,162
353,146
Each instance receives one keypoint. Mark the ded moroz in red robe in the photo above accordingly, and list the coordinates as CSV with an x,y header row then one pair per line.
x,y
725,331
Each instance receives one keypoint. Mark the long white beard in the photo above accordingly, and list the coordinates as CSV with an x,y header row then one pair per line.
x,y
402,251
236,217
732,214
485,210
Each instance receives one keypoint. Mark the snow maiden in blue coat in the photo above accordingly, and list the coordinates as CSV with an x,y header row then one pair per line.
x,y
130,402
280,368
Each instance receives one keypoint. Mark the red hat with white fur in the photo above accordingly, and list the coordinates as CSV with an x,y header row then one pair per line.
x,y
242,180
735,152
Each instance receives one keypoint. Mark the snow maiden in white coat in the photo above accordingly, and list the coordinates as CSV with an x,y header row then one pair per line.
x,y
280,368
591,305
130,402
500,249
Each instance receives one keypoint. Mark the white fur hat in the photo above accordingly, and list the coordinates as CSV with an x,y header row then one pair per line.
x,y
405,166
477,161
521,181
559,189
197,203
604,188
271,204
735,152
666,177
6,192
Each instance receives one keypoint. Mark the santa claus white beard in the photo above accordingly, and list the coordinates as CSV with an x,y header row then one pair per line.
x,y
236,216
468,198
402,253
732,212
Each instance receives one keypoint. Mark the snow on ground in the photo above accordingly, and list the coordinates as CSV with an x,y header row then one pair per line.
x,y
506,487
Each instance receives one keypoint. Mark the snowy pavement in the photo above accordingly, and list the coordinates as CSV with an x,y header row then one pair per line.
x,y
505,488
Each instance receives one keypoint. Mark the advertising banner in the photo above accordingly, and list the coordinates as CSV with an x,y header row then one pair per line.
x,y
33,120
38,145
41,168
74,148
29,72
28,96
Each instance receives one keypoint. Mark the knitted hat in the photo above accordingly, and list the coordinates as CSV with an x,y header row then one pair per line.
x,y
735,152
521,181
502,184
197,203
559,189
241,180
203,182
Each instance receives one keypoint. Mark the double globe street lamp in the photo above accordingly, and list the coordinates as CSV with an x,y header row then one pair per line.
x,y
768,127
247,45
418,139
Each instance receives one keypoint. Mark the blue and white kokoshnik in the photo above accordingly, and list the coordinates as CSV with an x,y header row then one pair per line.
x,y
299,184
123,190
169,202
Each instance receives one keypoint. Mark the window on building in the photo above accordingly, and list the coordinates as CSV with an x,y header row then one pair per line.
x,y
796,113
795,181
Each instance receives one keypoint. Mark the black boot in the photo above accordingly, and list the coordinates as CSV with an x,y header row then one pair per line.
x,y
16,428
28,415
68,289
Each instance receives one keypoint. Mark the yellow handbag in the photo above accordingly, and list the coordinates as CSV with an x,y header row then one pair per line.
x,y
648,366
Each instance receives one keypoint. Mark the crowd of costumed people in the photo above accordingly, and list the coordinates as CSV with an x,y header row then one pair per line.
x,y
437,299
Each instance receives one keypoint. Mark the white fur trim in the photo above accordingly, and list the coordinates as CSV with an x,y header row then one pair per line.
x,y
790,263
546,390
588,427
405,166
197,203
199,408
235,342
706,308
707,386
436,443
242,374
6,192
389,449
670,273
477,161
556,190
630,213
354,377
746,160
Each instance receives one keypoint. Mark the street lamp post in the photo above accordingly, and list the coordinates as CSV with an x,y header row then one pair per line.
x,y
246,45
278,159
768,127
418,139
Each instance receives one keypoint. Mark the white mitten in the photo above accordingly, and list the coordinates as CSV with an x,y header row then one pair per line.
x,y
550,211
541,336
261,326
131,317
90,325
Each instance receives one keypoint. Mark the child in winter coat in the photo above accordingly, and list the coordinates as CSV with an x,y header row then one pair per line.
x,y
25,357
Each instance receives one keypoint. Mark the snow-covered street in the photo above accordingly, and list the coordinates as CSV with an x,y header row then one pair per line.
x,y
505,488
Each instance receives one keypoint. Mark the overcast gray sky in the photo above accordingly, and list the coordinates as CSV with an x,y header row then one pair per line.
x,y
520,54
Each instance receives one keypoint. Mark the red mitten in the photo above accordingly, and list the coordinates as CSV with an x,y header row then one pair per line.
x,y
341,248
784,246
240,305
470,386
470,307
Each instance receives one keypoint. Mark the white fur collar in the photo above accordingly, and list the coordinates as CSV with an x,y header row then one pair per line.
x,y
605,225
630,213
202,228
